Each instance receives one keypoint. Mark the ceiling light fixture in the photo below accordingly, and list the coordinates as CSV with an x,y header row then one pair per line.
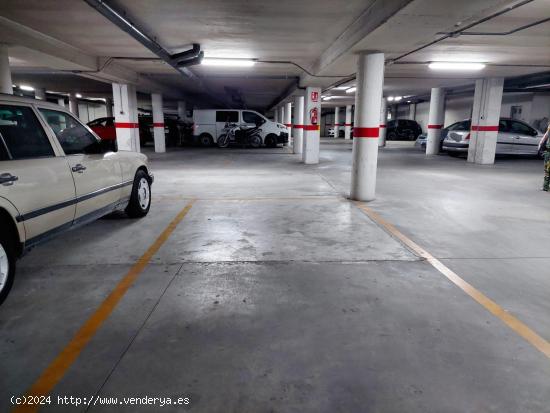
x,y
351,90
327,98
390,98
456,66
219,61
342,87
397,98
78,95
26,87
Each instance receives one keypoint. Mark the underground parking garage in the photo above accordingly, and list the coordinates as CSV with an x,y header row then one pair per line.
x,y
274,206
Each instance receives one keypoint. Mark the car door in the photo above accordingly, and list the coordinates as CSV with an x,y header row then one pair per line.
x,y
34,176
525,138
224,116
97,174
505,141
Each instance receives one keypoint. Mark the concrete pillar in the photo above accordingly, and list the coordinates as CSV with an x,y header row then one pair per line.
x,y
435,120
485,120
282,114
182,110
276,114
347,124
383,119
298,129
109,107
61,102
40,93
288,119
312,125
5,72
158,123
73,104
412,111
368,99
336,122
126,117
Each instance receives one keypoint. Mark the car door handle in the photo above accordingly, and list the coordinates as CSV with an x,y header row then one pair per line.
x,y
7,179
78,168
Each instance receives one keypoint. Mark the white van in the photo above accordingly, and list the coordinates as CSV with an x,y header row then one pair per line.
x,y
208,125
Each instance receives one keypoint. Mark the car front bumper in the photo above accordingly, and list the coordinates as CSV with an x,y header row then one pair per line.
x,y
282,138
455,147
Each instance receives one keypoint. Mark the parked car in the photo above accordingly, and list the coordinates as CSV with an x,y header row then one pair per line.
x,y
457,126
57,174
514,138
400,129
171,131
208,125
105,129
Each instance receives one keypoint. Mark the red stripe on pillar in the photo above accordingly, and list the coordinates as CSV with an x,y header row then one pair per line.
x,y
288,125
158,125
365,132
312,127
338,124
126,125
485,128
435,126
298,126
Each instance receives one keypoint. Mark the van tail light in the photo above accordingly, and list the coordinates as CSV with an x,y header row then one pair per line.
x,y
467,138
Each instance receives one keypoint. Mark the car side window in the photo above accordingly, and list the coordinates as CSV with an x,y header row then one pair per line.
x,y
251,117
521,128
72,135
3,151
23,134
227,116
503,126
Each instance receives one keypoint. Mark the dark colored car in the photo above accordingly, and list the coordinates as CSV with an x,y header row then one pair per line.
x,y
171,130
403,129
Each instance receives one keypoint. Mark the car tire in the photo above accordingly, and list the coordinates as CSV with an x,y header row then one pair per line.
x,y
140,199
7,263
206,140
271,141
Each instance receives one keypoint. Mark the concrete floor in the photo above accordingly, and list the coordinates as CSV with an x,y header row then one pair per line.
x,y
277,294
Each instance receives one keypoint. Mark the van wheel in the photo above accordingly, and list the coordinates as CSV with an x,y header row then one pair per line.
x,y
271,141
7,264
256,142
206,140
140,200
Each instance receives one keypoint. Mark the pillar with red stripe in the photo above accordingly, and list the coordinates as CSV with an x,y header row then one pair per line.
x,y
298,129
347,124
288,120
312,122
383,118
126,117
158,123
336,122
485,120
282,113
435,120
368,98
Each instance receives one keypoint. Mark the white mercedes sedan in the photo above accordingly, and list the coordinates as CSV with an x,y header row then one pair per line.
x,y
55,175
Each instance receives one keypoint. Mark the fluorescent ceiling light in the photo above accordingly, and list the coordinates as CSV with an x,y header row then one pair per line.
x,y
351,90
219,61
456,66
390,98
397,98
78,95
341,87
327,97
26,87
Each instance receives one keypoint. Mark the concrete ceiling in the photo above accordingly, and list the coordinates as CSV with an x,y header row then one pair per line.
x,y
321,36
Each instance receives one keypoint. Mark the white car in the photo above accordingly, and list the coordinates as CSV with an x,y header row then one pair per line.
x,y
208,125
55,175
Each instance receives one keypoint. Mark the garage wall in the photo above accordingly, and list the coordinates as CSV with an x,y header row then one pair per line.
x,y
89,111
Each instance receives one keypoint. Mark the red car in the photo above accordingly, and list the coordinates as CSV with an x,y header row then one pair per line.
x,y
104,128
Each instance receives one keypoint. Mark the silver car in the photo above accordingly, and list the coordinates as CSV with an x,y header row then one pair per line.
x,y
514,138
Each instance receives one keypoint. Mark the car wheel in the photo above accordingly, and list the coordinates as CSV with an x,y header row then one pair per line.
x,y
7,264
140,200
206,140
256,141
271,141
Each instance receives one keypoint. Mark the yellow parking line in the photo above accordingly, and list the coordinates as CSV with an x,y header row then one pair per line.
x,y
515,324
58,367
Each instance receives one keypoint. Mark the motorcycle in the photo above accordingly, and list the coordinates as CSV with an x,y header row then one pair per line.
x,y
234,134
